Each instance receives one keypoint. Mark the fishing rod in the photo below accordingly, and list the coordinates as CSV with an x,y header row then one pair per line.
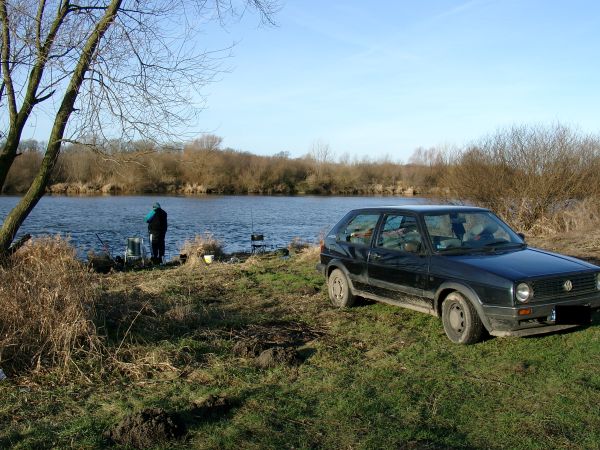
x,y
105,247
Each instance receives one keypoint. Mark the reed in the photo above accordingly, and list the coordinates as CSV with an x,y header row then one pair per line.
x,y
199,246
47,308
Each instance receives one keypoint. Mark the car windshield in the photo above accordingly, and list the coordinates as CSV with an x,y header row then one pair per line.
x,y
469,231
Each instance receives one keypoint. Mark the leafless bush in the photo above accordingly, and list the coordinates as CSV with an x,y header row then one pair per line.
x,y
203,167
426,167
23,171
47,301
532,176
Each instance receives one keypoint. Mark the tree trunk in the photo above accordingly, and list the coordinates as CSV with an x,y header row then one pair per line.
x,y
19,213
6,159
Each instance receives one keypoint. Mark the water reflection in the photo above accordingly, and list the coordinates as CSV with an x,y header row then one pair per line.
x,y
231,219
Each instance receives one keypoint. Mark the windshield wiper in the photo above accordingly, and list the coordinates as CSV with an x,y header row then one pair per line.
x,y
458,250
489,247
492,246
452,250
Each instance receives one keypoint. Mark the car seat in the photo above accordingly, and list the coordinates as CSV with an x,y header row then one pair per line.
x,y
481,232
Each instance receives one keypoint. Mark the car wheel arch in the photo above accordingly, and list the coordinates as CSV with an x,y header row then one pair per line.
x,y
447,288
337,264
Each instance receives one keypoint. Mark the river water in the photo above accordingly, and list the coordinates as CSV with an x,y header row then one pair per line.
x,y
230,219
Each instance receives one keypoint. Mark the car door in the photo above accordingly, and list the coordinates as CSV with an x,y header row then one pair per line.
x,y
398,263
353,242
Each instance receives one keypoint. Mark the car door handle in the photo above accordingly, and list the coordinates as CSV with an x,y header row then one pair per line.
x,y
375,256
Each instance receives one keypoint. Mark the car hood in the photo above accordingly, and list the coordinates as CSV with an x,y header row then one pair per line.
x,y
523,263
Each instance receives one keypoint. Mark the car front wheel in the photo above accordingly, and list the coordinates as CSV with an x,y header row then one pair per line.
x,y
461,321
339,289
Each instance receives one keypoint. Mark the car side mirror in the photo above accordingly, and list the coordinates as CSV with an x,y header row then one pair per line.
x,y
521,235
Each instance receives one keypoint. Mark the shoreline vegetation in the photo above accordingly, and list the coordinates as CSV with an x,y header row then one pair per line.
x,y
203,167
93,189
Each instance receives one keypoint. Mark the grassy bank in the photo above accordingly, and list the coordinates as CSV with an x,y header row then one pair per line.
x,y
374,376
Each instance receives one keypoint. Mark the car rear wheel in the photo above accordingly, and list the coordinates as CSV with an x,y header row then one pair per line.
x,y
339,289
461,321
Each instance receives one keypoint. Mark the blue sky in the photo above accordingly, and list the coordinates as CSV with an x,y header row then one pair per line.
x,y
382,78
375,79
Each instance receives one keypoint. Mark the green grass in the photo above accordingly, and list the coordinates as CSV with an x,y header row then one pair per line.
x,y
375,376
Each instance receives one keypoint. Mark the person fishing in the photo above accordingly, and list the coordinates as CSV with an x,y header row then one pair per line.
x,y
157,229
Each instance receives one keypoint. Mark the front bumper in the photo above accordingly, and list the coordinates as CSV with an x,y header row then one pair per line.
x,y
508,322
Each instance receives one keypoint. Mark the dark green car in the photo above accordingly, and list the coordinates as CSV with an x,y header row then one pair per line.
x,y
462,264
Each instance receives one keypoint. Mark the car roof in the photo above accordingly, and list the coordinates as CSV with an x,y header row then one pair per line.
x,y
424,208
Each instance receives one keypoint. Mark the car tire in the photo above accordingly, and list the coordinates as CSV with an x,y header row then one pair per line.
x,y
461,321
339,290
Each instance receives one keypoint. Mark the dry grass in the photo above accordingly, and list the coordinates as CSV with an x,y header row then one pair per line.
x,y
583,245
47,308
310,253
298,244
199,246
145,314
580,216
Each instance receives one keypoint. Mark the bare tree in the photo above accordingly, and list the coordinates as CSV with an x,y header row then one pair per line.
x,y
101,69
208,142
322,155
320,158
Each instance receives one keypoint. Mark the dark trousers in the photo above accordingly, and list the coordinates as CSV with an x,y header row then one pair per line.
x,y
158,245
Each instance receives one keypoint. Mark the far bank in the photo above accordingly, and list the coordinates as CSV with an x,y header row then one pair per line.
x,y
376,189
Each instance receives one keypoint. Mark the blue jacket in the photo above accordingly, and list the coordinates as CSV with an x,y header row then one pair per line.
x,y
157,221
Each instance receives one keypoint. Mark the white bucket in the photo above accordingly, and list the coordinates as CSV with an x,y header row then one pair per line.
x,y
209,258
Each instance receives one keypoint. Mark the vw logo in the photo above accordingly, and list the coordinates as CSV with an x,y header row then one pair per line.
x,y
568,285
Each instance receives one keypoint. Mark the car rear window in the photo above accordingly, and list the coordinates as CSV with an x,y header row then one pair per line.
x,y
360,229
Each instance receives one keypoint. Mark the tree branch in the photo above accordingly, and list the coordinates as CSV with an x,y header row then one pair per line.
x,y
43,98
5,55
38,28
38,69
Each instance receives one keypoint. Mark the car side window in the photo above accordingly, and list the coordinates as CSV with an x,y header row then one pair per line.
x,y
360,229
439,225
401,233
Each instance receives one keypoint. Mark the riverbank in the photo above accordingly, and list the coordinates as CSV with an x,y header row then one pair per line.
x,y
189,342
78,188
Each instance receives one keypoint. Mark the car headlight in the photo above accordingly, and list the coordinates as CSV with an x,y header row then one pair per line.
x,y
524,292
598,281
